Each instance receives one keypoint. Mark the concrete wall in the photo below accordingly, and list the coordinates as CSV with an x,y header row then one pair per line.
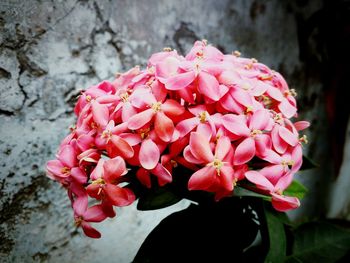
x,y
50,50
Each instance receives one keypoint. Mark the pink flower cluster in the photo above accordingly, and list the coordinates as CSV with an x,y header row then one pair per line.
x,y
224,117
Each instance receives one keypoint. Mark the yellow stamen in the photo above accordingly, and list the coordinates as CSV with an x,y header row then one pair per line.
x,y
253,133
236,53
217,165
248,109
265,77
203,116
173,163
65,170
144,133
124,97
303,139
167,49
88,98
156,106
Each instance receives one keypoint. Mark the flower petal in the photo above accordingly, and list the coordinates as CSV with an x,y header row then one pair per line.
x,y
100,113
259,120
163,175
180,81
140,119
288,136
113,169
202,179
163,126
284,203
172,108
200,147
187,125
117,195
78,175
223,147
67,156
273,172
90,231
80,205
235,124
149,154
122,146
259,180
226,177
208,86
245,151
143,176
94,214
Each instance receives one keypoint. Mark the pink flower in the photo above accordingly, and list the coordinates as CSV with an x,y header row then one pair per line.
x,y
84,215
279,201
217,167
254,142
106,176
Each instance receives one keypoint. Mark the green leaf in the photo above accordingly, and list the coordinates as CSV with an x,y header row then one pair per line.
x,y
319,242
240,191
308,164
296,189
277,237
157,198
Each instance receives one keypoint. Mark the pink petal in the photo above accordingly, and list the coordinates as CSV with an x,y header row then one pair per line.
x,y
223,147
143,176
118,196
98,171
226,177
288,136
284,182
287,109
259,120
80,205
163,175
272,157
140,119
189,156
301,125
202,179
172,108
78,175
208,86
200,147
94,214
113,169
149,154
67,156
275,93
90,231
263,144
131,138
245,151
180,81
279,144
54,168
207,129
122,146
242,97
94,191
128,111
234,124
100,113
163,126
297,157
273,172
284,203
187,125
259,180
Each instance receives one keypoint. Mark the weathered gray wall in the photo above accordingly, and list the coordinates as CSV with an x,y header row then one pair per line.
x,y
50,50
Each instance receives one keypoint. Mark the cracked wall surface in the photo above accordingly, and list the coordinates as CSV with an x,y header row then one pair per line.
x,y
51,50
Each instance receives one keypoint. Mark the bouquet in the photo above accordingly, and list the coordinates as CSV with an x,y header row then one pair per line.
x,y
208,122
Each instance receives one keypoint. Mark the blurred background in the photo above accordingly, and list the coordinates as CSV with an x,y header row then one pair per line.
x,y
50,50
